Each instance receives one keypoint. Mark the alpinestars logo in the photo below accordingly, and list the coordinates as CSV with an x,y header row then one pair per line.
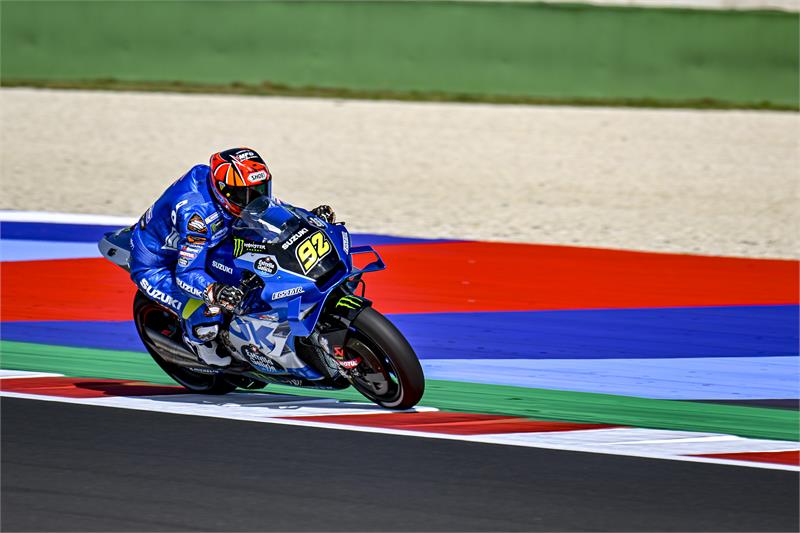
x,y
159,296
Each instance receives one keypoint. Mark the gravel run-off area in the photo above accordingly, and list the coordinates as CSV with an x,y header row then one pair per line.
x,y
709,182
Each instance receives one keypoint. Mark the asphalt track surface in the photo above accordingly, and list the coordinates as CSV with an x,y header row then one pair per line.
x,y
83,468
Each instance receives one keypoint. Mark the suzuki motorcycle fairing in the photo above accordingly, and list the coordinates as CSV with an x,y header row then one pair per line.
x,y
299,324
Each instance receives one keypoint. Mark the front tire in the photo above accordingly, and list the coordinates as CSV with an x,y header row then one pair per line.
x,y
390,374
148,313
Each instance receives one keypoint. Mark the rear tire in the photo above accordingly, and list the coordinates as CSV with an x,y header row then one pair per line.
x,y
385,351
148,313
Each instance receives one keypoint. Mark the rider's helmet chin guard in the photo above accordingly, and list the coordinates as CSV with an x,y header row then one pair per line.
x,y
239,176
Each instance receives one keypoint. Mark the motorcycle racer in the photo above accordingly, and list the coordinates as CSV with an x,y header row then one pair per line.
x,y
172,238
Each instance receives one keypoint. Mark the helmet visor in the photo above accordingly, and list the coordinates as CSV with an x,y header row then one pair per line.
x,y
241,196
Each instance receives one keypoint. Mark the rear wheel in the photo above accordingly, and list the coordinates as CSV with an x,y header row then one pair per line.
x,y
389,373
152,319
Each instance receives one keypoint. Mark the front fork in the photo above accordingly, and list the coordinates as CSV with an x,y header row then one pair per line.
x,y
340,311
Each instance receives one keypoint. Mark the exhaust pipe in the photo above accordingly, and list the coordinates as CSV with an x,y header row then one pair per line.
x,y
171,351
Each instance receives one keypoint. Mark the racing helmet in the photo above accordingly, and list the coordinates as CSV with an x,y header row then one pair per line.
x,y
239,176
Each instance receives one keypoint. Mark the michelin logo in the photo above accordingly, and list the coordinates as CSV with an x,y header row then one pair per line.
x,y
159,296
288,292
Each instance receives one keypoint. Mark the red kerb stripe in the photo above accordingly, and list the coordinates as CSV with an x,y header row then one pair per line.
x,y
791,457
85,387
452,423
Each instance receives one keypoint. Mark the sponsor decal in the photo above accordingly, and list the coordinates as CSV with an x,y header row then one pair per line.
x,y
241,246
216,226
346,242
171,242
267,265
173,215
295,382
220,266
160,296
187,254
145,219
205,370
188,288
314,221
312,250
260,360
291,240
257,177
349,302
349,364
195,239
183,262
212,217
288,292
244,155
197,224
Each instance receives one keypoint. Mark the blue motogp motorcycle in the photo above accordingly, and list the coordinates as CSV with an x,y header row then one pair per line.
x,y
301,322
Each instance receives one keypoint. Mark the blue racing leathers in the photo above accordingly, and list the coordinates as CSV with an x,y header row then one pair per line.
x,y
169,248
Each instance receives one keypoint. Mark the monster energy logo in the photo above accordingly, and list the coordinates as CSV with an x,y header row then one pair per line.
x,y
241,246
350,302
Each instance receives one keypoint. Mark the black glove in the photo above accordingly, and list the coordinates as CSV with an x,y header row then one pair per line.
x,y
224,296
325,212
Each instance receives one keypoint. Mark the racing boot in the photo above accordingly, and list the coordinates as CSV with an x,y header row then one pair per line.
x,y
206,350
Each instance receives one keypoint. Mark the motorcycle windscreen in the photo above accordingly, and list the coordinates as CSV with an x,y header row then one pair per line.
x,y
265,220
299,246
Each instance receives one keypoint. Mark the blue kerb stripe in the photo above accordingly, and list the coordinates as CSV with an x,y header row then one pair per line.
x,y
743,331
43,231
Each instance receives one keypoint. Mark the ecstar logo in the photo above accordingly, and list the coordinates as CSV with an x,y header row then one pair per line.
x,y
288,292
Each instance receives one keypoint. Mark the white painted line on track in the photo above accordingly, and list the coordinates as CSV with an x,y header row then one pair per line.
x,y
20,374
235,411
645,440
65,218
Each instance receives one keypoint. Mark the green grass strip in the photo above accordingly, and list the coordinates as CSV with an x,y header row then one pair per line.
x,y
275,89
544,404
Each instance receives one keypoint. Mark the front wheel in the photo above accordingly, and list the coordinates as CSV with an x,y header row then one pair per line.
x,y
389,373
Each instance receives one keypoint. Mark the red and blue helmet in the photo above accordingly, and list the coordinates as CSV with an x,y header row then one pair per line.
x,y
239,176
